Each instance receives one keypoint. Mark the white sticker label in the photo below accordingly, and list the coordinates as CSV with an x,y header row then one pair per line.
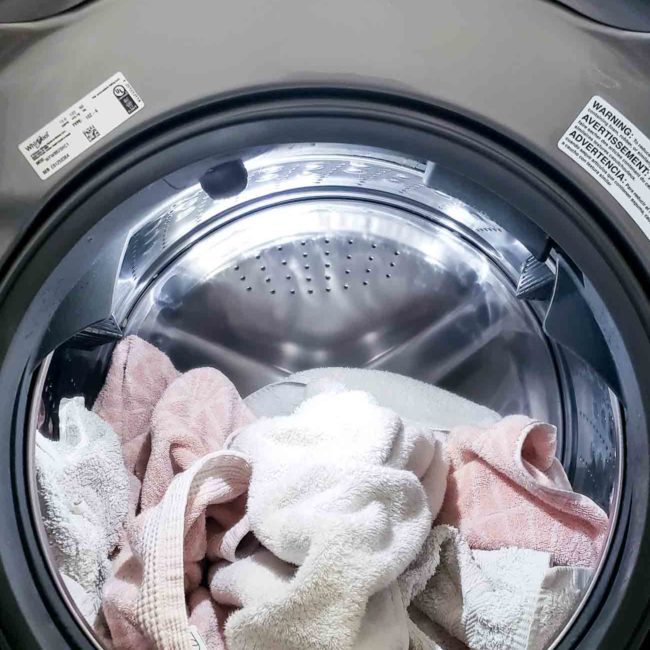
x,y
608,146
196,642
81,126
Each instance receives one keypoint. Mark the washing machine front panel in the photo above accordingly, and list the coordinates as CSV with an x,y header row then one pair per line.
x,y
350,71
524,69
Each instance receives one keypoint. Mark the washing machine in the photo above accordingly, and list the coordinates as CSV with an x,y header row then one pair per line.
x,y
457,191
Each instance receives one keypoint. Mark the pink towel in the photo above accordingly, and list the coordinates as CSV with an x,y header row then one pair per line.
x,y
166,422
143,600
506,488
138,375
194,416
120,597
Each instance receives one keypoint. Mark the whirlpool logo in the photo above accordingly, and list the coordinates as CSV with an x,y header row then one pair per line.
x,y
38,141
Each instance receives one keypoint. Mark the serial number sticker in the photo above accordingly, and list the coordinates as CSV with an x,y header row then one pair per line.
x,y
609,147
81,126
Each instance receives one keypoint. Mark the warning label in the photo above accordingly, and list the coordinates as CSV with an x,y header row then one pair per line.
x,y
608,146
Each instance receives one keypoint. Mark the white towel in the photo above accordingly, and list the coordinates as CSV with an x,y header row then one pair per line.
x,y
385,438
488,600
83,489
331,493
87,603
424,634
411,399
562,589
262,578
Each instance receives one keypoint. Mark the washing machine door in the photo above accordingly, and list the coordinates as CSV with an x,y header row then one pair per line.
x,y
158,162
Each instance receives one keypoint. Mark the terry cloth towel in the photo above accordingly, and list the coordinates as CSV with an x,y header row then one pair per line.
x,y
261,577
562,589
506,488
137,377
424,634
411,399
83,491
194,416
145,604
487,600
331,492
87,602
417,447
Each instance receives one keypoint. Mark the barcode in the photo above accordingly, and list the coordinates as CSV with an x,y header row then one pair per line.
x,y
91,133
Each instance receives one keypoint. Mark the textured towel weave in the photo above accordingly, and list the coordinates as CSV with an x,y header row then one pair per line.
x,y
88,603
487,600
561,591
261,578
506,488
159,541
152,599
331,492
194,416
167,423
137,377
83,488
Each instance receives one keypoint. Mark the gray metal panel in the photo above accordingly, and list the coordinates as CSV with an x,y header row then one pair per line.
x,y
626,14
522,66
13,11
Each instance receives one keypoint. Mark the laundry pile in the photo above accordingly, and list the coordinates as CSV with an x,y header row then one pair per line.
x,y
339,509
